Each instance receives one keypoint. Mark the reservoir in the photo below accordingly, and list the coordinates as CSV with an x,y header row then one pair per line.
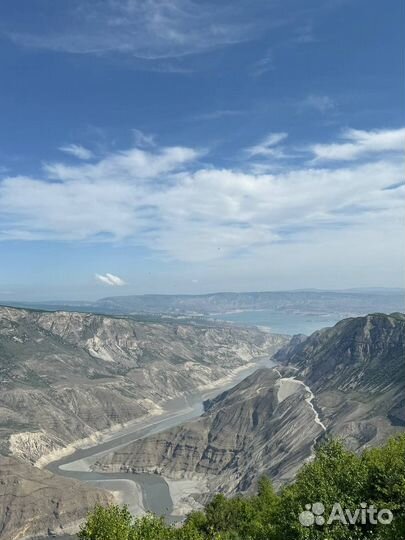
x,y
142,492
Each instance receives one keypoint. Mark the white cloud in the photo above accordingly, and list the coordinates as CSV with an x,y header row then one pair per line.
x,y
358,143
126,165
163,200
149,30
268,146
110,279
77,151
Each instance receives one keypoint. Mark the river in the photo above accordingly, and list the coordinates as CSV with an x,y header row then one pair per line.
x,y
143,491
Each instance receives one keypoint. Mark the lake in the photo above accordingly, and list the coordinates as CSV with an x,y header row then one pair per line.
x,y
280,322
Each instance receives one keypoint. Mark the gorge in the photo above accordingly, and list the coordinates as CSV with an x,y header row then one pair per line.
x,y
164,415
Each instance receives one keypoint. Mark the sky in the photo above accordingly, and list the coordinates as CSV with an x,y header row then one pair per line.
x,y
180,146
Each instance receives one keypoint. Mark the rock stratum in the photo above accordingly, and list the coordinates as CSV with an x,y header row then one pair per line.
x,y
68,378
347,381
356,370
264,425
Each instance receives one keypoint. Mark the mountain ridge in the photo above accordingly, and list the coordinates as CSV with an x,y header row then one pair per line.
x,y
286,411
341,302
68,375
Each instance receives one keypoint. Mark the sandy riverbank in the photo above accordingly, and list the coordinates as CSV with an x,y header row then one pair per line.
x,y
181,493
126,492
97,438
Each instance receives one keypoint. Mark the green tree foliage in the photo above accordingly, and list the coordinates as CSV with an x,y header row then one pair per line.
x,y
336,475
386,483
108,523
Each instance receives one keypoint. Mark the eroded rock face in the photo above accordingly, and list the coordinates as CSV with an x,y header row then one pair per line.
x,y
254,429
357,371
66,377
347,381
35,502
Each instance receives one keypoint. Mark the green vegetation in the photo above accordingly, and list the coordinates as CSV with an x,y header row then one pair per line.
x,y
376,479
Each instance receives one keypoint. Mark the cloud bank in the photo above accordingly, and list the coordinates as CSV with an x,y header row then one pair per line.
x,y
163,199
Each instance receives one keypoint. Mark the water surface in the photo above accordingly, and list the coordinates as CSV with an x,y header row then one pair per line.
x,y
154,490
279,322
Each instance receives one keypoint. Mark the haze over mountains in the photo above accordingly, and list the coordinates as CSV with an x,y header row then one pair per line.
x,y
318,302
289,301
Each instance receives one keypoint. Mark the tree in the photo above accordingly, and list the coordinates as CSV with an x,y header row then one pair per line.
x,y
108,523
336,475
386,483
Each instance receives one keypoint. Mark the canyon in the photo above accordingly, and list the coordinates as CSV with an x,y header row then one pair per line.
x,y
185,409
347,382
68,380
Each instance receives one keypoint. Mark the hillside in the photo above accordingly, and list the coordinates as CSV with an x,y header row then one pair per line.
x,y
368,487
347,381
68,376
253,429
357,371
34,502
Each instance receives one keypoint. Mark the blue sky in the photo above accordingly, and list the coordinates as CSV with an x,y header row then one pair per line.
x,y
156,146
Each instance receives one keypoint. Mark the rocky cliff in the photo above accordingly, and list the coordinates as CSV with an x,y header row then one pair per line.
x,y
357,371
347,381
68,376
264,425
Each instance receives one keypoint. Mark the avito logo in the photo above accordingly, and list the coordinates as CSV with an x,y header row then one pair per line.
x,y
314,514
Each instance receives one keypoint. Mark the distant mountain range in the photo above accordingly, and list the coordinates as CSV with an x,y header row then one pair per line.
x,y
353,302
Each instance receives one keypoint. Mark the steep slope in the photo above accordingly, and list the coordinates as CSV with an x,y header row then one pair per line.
x,y
357,371
264,425
347,381
34,502
68,376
